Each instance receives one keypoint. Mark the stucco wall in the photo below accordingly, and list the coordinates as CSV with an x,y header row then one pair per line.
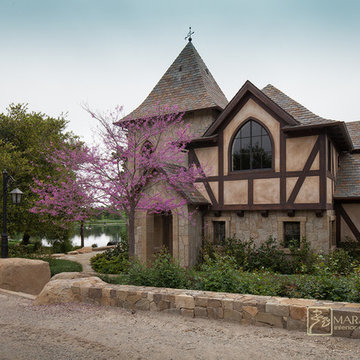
x,y
353,211
309,192
252,109
298,151
267,191
208,158
236,192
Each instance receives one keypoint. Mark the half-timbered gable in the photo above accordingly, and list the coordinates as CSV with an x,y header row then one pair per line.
x,y
273,168
274,164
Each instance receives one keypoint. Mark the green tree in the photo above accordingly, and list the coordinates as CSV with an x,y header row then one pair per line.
x,y
24,136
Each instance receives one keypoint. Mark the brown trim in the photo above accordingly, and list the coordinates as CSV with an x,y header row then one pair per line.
x,y
221,167
338,225
283,168
254,174
203,142
349,222
196,161
247,89
336,130
229,150
330,175
269,110
323,169
350,199
304,174
257,207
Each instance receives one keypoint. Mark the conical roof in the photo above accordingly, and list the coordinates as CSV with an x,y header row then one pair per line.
x,y
187,84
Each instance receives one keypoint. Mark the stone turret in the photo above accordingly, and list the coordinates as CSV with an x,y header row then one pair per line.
x,y
189,85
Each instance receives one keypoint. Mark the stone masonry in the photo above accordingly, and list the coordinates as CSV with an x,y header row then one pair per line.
x,y
286,313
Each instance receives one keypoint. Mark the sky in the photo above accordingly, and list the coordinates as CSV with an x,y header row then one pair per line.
x,y
60,55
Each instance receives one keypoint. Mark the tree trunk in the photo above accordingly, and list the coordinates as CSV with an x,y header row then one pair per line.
x,y
131,234
82,233
26,239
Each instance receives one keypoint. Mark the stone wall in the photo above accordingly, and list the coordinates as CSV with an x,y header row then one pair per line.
x,y
290,314
186,236
253,225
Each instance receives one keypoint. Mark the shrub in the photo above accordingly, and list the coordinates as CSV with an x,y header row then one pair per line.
x,y
112,261
164,272
339,261
216,274
302,260
62,246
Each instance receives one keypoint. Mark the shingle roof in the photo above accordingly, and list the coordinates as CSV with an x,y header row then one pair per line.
x,y
293,108
187,84
348,177
188,191
354,132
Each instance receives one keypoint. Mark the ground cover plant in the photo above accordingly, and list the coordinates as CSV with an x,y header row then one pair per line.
x,y
59,265
241,267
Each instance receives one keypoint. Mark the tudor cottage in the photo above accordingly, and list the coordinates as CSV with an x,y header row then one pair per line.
x,y
273,168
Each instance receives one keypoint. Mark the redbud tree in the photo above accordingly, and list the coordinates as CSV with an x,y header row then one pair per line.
x,y
129,165
65,197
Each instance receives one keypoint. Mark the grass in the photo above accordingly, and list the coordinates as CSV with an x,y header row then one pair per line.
x,y
58,266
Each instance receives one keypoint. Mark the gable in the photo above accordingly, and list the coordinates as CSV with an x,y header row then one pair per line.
x,y
251,110
248,91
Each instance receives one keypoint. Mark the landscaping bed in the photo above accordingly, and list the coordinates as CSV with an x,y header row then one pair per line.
x,y
242,268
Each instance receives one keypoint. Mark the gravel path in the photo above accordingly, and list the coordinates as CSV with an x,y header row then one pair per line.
x,y
83,259
79,331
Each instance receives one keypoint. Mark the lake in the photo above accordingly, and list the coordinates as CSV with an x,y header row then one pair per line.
x,y
99,234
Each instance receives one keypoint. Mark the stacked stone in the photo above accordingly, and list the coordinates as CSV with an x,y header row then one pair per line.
x,y
290,314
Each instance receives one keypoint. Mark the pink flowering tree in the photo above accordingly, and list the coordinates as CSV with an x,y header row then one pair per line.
x,y
65,198
141,164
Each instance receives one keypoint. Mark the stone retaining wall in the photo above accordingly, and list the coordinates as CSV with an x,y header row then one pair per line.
x,y
338,319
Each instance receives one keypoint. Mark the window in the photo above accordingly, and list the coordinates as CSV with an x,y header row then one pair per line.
x,y
292,233
219,232
251,148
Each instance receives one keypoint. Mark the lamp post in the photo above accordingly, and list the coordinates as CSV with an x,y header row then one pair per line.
x,y
16,199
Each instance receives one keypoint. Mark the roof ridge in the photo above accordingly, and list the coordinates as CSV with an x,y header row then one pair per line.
x,y
187,84
298,111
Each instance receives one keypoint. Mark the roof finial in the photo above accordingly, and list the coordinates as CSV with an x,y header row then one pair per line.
x,y
188,36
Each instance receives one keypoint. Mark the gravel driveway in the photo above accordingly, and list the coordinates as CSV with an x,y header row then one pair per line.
x,y
79,331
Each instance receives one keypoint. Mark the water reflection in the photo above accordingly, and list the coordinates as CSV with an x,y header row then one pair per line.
x,y
99,234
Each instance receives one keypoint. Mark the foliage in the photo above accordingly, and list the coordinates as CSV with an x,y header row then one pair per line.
x,y
65,197
112,261
62,246
338,261
23,136
216,274
221,276
331,277
164,272
132,164
268,256
59,265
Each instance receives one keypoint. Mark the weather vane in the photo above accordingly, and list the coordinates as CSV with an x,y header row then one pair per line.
x,y
188,36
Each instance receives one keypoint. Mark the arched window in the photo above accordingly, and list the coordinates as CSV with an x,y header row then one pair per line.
x,y
251,148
